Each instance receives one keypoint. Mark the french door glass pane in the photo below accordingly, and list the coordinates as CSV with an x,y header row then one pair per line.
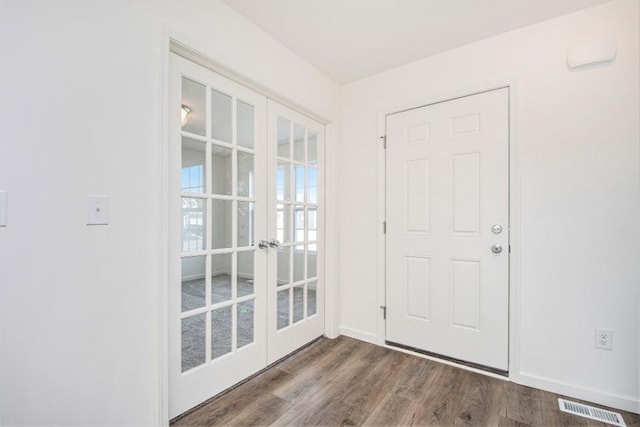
x,y
283,223
193,166
312,223
245,323
298,303
284,136
245,273
221,170
312,185
194,213
298,223
194,99
221,216
298,143
282,181
298,263
193,283
245,223
299,183
221,324
312,302
312,261
284,263
283,309
221,116
312,147
193,341
221,270
246,173
246,127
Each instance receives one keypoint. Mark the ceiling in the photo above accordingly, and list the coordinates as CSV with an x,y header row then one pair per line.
x,y
351,39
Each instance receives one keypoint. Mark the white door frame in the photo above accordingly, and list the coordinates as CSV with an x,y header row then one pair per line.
x,y
190,48
514,218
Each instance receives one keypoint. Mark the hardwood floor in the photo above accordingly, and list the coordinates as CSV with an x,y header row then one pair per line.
x,y
349,382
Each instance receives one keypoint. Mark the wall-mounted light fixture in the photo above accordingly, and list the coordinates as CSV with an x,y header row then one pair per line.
x,y
185,114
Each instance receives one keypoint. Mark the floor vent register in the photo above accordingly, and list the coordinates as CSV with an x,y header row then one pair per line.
x,y
590,412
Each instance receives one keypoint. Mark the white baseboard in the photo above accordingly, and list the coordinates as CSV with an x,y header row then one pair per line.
x,y
359,335
192,277
217,273
618,401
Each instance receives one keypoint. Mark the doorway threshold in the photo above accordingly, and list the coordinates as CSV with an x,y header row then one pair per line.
x,y
494,371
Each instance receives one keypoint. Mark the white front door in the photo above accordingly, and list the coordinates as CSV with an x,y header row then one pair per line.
x,y
218,208
447,241
296,196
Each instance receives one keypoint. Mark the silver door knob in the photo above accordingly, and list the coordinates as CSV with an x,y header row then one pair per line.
x,y
274,243
496,249
263,244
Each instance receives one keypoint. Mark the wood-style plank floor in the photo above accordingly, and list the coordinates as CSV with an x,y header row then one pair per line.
x,y
349,382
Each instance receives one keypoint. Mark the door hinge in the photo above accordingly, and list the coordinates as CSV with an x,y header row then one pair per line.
x,y
384,311
384,227
384,141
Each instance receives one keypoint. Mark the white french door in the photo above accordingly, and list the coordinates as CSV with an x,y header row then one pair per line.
x,y
296,193
447,241
218,206
245,226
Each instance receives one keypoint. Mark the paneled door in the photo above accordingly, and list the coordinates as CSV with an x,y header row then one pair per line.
x,y
296,202
218,208
447,241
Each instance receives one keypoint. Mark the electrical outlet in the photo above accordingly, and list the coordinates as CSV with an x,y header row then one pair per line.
x,y
97,210
604,339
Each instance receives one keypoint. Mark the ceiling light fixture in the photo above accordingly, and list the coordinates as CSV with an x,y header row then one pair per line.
x,y
185,114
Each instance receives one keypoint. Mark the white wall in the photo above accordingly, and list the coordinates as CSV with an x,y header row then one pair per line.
x,y
82,86
577,136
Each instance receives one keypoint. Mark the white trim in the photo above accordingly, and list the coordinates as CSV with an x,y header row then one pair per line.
x,y
331,302
515,168
358,335
382,259
163,291
514,209
618,401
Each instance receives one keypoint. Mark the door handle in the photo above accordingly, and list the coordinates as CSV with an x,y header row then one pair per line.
x,y
274,243
496,249
263,244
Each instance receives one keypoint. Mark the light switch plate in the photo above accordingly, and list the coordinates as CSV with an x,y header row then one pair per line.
x,y
97,210
4,206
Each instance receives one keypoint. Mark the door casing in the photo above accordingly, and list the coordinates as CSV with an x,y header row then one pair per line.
x,y
514,215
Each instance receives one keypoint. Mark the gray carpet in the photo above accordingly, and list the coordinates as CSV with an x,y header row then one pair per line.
x,y
193,328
